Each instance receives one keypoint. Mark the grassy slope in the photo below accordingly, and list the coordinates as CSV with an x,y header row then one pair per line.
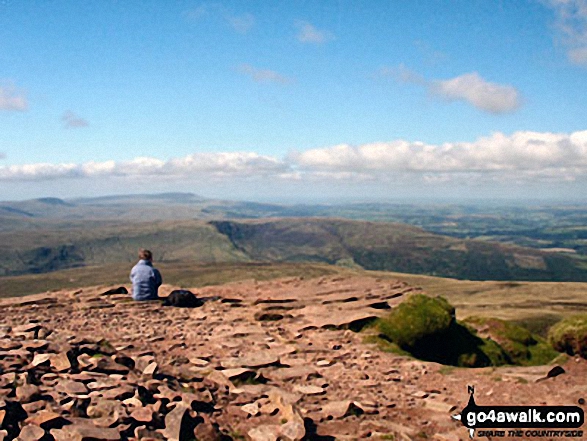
x,y
396,247
542,302
370,245
43,250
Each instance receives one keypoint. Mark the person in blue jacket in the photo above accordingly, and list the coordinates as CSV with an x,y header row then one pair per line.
x,y
145,279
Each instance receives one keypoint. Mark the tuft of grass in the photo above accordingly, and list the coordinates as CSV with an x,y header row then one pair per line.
x,y
538,324
570,335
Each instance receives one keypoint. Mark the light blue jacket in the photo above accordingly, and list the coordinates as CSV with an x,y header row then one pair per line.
x,y
146,281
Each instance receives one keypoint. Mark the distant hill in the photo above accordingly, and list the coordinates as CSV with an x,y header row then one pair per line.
x,y
54,245
396,247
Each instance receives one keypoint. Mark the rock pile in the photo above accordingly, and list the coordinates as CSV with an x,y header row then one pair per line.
x,y
267,361
63,387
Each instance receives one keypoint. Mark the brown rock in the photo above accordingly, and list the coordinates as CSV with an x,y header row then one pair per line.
x,y
29,327
252,409
35,345
293,373
268,316
293,430
143,414
340,409
265,433
108,366
27,393
150,369
255,360
175,422
72,388
31,433
34,406
199,362
238,373
105,413
9,345
41,359
46,419
85,431
207,431
142,433
439,406
118,393
310,390
60,362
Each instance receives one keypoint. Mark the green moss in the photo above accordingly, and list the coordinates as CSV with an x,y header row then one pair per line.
x,y
416,319
426,328
384,345
539,324
570,335
521,346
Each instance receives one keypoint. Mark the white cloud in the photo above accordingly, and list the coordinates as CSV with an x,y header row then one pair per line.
x,y
308,33
471,88
217,165
496,159
72,121
241,23
263,75
529,152
571,25
12,99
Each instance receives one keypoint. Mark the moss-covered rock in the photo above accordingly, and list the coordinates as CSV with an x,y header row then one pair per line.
x,y
521,346
426,328
417,319
570,335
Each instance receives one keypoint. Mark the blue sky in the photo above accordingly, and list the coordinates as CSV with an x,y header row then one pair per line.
x,y
294,100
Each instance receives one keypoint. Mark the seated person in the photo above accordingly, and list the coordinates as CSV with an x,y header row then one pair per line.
x,y
145,279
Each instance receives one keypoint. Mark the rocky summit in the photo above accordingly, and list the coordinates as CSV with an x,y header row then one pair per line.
x,y
260,361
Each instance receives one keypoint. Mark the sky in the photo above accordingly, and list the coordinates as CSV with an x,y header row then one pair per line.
x,y
294,100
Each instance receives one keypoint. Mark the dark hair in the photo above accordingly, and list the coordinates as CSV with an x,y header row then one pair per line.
x,y
145,254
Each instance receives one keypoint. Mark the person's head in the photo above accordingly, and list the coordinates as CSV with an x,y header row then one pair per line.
x,y
145,254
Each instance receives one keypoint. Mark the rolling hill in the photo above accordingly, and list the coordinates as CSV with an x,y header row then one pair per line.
x,y
357,244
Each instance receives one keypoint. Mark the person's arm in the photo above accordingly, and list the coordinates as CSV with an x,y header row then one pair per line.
x,y
158,278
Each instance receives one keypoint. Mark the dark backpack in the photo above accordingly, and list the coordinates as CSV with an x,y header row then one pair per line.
x,y
182,298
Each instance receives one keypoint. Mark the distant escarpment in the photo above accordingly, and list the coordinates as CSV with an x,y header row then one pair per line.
x,y
395,247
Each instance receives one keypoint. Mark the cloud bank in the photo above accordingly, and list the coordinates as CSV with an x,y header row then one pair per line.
x,y
526,156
